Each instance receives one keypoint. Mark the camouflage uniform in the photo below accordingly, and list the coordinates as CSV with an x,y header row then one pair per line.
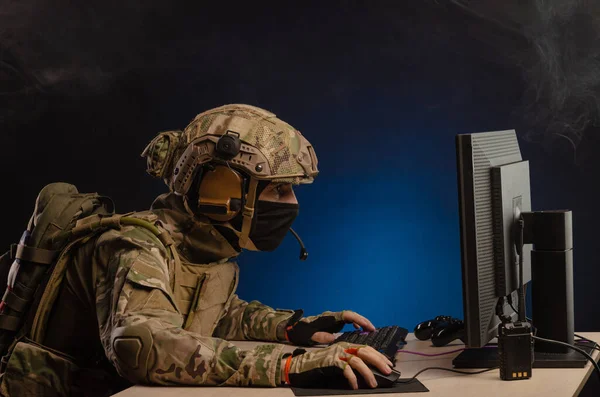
x,y
124,284
125,279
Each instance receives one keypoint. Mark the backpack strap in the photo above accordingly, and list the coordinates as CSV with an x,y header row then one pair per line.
x,y
10,323
85,229
31,254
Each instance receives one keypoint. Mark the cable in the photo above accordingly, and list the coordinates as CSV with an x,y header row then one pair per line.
x,y
445,369
595,347
493,368
512,307
581,341
522,310
594,363
582,338
442,354
430,355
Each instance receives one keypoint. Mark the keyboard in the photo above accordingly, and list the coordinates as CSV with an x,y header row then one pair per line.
x,y
386,340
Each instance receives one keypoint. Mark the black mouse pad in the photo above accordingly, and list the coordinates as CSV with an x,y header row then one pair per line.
x,y
413,387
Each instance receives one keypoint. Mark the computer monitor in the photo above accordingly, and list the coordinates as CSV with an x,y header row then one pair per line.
x,y
487,218
496,221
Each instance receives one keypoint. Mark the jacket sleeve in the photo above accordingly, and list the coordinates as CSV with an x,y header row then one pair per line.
x,y
253,321
141,327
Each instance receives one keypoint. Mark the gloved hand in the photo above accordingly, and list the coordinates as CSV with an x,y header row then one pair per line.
x,y
308,331
328,366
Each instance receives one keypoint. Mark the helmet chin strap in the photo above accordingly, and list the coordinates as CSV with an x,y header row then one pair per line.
x,y
248,214
249,244
187,207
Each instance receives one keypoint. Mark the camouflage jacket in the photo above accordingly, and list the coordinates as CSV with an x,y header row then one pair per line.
x,y
124,283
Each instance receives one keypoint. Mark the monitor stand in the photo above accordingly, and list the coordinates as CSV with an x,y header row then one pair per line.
x,y
551,234
487,357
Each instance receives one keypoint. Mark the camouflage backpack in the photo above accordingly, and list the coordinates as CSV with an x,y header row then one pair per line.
x,y
32,271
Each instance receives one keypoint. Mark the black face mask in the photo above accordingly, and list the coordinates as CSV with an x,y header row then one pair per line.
x,y
271,223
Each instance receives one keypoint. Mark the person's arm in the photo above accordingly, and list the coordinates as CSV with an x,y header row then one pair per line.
x,y
141,327
253,321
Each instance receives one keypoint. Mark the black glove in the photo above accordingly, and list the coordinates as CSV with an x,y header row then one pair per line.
x,y
321,368
300,329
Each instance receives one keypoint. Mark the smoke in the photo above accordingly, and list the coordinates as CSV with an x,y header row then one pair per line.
x,y
81,48
562,100
63,50
74,46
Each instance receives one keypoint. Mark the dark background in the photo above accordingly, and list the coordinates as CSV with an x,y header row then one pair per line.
x,y
380,88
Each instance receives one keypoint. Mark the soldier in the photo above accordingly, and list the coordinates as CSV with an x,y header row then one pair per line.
x,y
130,309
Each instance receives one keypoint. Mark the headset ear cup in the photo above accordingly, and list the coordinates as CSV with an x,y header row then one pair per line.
x,y
159,154
221,193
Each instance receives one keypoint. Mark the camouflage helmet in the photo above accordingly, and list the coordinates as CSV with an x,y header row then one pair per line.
x,y
269,150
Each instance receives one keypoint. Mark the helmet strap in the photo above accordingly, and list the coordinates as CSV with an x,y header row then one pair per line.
x,y
187,206
249,244
248,214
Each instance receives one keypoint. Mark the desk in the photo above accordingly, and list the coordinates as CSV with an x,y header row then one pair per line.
x,y
545,382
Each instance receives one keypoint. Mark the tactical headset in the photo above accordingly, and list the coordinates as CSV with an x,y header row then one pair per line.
x,y
221,189
202,174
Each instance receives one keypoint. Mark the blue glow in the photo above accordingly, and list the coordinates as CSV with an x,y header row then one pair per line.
x,y
381,228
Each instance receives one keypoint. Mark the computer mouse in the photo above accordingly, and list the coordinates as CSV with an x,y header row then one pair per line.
x,y
383,380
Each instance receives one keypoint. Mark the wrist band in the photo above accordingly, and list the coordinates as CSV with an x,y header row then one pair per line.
x,y
286,371
286,333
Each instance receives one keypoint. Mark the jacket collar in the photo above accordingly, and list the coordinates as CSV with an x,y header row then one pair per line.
x,y
196,238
